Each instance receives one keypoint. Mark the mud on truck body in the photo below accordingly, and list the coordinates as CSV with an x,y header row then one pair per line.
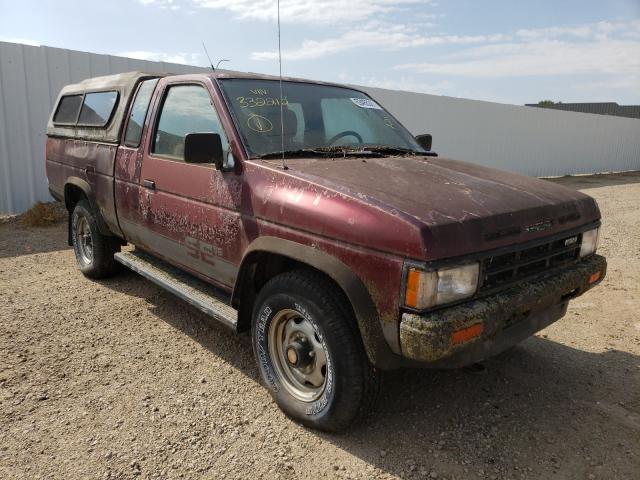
x,y
317,222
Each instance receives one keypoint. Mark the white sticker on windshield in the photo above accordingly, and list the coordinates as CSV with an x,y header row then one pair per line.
x,y
366,103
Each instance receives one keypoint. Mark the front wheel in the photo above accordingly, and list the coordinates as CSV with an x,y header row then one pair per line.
x,y
309,351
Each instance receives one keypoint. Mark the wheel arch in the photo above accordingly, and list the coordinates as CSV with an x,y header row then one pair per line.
x,y
76,189
276,255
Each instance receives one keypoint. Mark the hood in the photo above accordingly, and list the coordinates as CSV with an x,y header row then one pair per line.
x,y
458,208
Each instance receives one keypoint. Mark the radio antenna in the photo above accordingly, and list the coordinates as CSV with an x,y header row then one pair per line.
x,y
284,164
208,57
220,61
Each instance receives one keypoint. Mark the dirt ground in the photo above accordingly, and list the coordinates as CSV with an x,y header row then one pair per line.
x,y
118,379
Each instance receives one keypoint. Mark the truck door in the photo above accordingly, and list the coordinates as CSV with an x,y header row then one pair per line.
x,y
129,162
188,214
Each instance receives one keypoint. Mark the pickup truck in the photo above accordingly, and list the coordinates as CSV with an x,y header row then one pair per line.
x,y
306,214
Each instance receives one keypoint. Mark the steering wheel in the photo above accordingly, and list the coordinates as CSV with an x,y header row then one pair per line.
x,y
346,133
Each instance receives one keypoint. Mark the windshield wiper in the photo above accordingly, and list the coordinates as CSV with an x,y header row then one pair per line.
x,y
323,152
348,151
389,149
303,152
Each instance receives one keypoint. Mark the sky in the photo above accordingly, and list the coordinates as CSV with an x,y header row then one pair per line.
x,y
508,51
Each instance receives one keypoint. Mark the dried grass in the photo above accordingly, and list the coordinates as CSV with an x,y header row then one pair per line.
x,y
43,214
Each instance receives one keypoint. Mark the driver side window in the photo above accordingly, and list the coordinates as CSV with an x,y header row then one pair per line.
x,y
186,109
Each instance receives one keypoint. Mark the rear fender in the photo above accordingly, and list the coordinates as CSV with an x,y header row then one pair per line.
x,y
71,187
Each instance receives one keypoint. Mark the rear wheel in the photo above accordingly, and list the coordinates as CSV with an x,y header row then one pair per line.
x,y
309,351
94,251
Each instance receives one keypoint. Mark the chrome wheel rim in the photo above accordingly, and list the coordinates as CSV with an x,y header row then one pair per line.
x,y
298,355
84,240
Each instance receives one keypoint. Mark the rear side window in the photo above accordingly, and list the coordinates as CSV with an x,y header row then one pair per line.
x,y
138,113
68,108
97,108
186,109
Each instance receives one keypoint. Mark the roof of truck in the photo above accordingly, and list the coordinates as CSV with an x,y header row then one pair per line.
x,y
118,81
125,84
259,76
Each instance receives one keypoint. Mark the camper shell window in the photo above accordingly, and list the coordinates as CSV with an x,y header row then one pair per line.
x,y
97,108
67,112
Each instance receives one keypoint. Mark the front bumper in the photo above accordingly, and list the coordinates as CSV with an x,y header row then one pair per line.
x,y
506,318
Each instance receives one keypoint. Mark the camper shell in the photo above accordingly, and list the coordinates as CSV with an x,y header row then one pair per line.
x,y
122,86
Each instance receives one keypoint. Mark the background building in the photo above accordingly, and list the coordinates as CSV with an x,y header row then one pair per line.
x,y
600,108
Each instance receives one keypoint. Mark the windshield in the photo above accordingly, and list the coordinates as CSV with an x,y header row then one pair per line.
x,y
314,116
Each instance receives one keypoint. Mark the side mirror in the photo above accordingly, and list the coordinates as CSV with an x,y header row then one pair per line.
x,y
425,141
204,148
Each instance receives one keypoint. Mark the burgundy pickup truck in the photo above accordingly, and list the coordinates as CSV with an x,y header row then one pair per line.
x,y
306,214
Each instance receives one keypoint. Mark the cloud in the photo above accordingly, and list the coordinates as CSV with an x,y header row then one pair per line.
x,y
181,58
386,38
316,12
538,58
163,4
602,48
556,49
356,23
581,31
620,83
594,30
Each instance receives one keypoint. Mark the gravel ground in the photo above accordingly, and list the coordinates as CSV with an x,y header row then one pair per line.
x,y
118,379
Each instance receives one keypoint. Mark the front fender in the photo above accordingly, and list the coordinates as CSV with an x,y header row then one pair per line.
x,y
367,317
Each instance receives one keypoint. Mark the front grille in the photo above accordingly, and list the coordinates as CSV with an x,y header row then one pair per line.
x,y
525,261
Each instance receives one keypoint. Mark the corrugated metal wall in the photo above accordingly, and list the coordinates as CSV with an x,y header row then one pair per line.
x,y
522,139
30,80
534,141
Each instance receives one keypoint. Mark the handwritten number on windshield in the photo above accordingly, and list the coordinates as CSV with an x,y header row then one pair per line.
x,y
251,102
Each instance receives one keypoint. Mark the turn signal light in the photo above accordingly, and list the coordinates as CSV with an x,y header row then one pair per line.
x,y
466,334
594,277
413,285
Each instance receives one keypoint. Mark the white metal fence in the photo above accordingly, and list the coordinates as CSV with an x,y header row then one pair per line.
x,y
534,141
522,139
30,80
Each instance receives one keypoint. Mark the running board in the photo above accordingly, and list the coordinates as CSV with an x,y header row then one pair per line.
x,y
200,294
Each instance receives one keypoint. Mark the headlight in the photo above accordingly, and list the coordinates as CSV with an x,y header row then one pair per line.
x,y
428,288
589,242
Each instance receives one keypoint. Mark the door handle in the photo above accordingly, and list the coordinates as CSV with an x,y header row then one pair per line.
x,y
89,169
150,184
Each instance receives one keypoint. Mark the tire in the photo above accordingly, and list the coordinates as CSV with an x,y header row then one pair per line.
x,y
94,251
309,352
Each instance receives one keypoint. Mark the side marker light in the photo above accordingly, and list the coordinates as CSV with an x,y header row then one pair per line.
x,y
466,334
